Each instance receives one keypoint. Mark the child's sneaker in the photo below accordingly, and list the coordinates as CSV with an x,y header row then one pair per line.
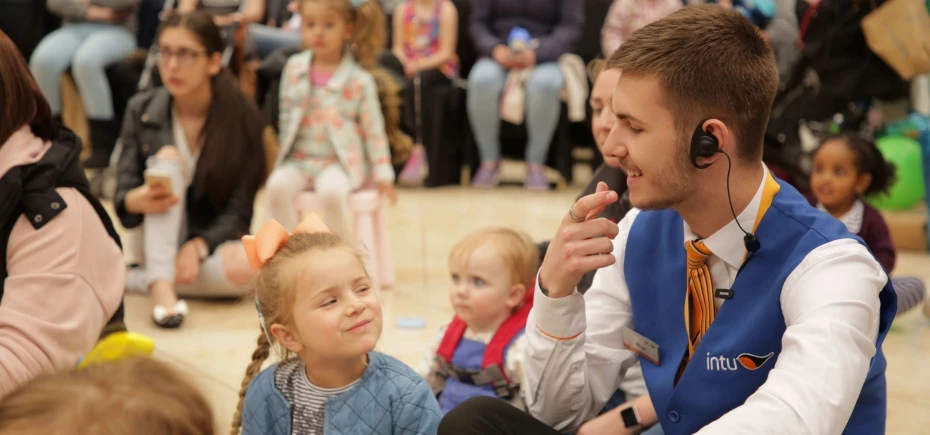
x,y
414,171
488,176
536,178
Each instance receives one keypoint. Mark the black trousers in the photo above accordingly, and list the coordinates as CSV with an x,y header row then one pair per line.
x,y
430,107
491,416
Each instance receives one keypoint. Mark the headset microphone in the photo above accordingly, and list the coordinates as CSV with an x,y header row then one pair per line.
x,y
705,145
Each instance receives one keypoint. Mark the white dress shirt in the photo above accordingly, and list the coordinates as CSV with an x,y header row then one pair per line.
x,y
576,358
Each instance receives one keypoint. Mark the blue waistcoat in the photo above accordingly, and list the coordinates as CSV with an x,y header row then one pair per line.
x,y
748,329
468,356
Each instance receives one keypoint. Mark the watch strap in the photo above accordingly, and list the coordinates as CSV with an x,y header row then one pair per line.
x,y
630,417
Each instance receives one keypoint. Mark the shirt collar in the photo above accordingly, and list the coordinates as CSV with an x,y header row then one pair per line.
x,y
727,243
853,218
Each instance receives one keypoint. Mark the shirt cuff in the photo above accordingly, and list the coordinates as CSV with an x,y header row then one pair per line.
x,y
558,319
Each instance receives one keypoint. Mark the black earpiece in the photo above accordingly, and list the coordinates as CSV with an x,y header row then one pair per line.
x,y
703,144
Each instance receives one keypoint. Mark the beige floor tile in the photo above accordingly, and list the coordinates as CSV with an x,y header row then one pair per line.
x,y
217,340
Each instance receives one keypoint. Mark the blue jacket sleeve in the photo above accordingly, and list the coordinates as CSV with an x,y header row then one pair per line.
x,y
565,35
480,28
418,412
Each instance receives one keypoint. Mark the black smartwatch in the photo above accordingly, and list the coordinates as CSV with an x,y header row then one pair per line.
x,y
630,417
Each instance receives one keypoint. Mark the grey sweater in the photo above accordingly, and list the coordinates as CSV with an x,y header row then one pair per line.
x,y
73,11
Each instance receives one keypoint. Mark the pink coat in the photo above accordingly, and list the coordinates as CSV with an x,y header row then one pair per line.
x,y
64,281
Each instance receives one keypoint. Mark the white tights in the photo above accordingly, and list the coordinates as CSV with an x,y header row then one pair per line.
x,y
331,186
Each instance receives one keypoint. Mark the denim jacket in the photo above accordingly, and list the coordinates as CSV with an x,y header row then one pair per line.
x,y
389,399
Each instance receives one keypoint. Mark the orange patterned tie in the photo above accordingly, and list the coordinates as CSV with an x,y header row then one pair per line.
x,y
699,301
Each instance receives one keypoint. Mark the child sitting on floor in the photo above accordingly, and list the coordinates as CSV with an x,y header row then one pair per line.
x,y
846,167
479,352
139,396
316,301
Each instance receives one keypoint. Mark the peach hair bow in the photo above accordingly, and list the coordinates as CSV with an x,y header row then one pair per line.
x,y
272,236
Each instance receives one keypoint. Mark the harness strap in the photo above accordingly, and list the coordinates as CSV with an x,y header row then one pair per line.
x,y
492,367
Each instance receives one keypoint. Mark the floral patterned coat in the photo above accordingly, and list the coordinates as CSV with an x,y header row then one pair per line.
x,y
350,110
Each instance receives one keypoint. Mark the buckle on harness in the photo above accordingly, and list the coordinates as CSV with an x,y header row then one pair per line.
x,y
493,376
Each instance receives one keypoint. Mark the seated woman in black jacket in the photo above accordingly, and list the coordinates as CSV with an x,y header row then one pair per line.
x,y
191,164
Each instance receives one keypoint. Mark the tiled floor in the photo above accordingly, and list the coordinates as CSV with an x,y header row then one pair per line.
x,y
216,341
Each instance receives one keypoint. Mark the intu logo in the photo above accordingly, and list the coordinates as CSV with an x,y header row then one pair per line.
x,y
746,360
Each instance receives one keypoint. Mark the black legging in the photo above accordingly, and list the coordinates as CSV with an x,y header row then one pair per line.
x,y
430,104
491,416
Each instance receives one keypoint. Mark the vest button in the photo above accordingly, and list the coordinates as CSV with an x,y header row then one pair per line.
x,y
673,416
37,219
55,205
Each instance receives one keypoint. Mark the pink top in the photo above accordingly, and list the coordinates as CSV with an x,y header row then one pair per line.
x,y
421,37
628,16
319,78
65,281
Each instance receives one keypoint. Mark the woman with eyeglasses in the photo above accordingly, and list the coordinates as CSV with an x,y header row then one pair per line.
x,y
191,163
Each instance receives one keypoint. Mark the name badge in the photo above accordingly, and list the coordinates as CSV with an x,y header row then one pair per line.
x,y
642,346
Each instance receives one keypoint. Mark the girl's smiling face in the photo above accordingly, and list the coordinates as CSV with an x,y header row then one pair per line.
x,y
336,310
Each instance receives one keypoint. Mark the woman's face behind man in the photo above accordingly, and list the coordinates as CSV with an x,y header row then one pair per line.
x,y
603,119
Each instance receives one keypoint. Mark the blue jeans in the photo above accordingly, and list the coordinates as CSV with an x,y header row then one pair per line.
x,y
267,39
543,104
88,48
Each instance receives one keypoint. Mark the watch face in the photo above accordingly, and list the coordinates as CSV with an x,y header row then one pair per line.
x,y
629,417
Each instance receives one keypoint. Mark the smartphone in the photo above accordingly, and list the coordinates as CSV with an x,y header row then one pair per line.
x,y
158,177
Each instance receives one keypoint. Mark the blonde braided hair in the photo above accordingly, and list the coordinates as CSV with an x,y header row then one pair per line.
x,y
274,295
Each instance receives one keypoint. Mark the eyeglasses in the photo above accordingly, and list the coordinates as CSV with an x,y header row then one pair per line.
x,y
184,57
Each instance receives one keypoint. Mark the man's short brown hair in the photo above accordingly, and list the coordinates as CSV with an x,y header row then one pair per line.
x,y
711,63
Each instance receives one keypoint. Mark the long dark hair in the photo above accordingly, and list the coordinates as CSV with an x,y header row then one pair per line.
x,y
232,151
21,101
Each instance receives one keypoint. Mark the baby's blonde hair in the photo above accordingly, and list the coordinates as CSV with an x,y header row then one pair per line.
x,y
368,32
275,295
139,396
516,249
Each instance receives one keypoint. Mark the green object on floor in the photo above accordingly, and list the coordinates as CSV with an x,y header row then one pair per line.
x,y
908,189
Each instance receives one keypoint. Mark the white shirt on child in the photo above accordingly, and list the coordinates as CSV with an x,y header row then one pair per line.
x,y
513,362
853,218
306,399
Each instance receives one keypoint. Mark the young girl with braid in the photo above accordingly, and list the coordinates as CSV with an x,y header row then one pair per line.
x,y
318,309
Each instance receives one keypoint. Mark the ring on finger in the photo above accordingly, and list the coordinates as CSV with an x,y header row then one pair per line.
x,y
571,213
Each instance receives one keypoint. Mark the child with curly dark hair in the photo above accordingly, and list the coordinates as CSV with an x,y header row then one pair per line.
x,y
846,167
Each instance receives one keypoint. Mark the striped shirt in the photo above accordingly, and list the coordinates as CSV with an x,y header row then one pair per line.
x,y
306,399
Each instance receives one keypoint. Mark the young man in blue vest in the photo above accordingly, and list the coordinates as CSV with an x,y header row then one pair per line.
x,y
749,310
